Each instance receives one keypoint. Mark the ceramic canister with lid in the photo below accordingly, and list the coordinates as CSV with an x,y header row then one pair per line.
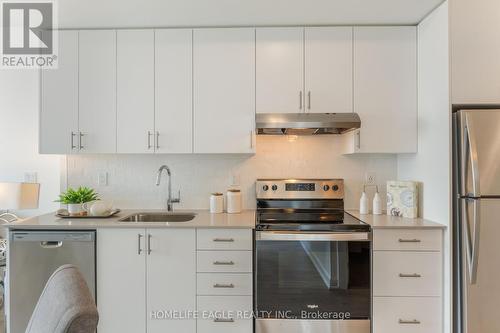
x,y
233,198
216,202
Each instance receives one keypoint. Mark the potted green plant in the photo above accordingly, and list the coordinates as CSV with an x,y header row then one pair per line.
x,y
74,199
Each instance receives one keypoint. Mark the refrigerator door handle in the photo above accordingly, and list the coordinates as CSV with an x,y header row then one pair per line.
x,y
472,147
472,241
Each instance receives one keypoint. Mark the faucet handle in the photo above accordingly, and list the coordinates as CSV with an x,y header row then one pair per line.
x,y
178,199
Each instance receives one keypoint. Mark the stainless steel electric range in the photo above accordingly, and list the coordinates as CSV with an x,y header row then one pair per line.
x,y
313,260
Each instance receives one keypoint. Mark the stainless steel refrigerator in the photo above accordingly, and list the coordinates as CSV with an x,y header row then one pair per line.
x,y
476,220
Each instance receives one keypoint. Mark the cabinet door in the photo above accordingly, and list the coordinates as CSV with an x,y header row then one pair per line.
x,y
121,280
59,94
385,89
280,70
173,91
135,91
97,100
224,90
171,271
328,69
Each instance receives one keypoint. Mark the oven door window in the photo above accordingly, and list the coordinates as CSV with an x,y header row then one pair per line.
x,y
313,279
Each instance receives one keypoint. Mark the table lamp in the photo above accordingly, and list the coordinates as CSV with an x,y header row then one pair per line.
x,y
17,196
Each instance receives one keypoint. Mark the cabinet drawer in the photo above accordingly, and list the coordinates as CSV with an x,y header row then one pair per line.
x,y
224,261
234,313
407,239
406,273
224,284
224,239
406,315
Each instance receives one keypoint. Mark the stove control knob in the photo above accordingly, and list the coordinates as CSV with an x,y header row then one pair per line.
x,y
274,187
265,187
335,187
326,187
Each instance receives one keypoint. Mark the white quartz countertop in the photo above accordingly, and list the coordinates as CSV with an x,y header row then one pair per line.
x,y
203,219
388,221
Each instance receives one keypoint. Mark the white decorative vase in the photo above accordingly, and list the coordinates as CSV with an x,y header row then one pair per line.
x,y
75,209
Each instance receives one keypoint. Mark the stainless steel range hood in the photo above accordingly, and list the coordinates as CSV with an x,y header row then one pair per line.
x,y
306,123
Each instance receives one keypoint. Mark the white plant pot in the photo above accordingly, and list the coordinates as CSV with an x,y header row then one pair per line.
x,y
75,209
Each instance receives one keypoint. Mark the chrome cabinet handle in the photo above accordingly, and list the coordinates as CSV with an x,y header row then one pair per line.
x,y
80,141
309,100
358,139
227,240
401,240
223,320
251,139
414,275
409,322
157,140
73,134
218,285
149,244
229,263
149,140
139,249
300,100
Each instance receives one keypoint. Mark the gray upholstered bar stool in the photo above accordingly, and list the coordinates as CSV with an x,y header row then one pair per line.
x,y
65,306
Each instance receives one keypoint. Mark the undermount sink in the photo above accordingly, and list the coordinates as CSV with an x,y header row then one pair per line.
x,y
158,217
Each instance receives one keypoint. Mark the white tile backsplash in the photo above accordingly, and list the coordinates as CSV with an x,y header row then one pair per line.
x,y
131,180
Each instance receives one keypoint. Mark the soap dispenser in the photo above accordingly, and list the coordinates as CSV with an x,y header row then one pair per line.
x,y
363,203
377,204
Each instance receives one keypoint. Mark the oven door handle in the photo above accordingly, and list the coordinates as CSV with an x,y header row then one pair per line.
x,y
311,236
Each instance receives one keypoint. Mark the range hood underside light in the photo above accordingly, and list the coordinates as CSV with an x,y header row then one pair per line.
x,y
306,123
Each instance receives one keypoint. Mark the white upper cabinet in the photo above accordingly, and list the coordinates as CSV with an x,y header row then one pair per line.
x,y
197,91
224,90
280,70
385,90
328,69
173,91
135,91
59,98
97,91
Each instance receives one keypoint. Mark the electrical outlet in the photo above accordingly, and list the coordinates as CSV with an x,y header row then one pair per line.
x,y
235,179
102,179
30,177
370,178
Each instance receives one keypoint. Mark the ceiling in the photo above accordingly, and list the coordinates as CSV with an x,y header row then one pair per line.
x,y
178,13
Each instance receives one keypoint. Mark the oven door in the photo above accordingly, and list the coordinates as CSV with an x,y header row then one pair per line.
x,y
313,282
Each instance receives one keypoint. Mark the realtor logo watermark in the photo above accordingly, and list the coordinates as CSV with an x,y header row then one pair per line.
x,y
29,39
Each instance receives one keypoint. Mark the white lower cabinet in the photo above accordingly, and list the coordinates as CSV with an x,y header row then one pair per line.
x,y
224,284
147,276
121,281
407,280
171,278
407,273
407,314
224,280
143,274
225,314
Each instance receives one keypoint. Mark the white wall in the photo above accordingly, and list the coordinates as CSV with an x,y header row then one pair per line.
x,y
431,165
475,51
19,105
132,177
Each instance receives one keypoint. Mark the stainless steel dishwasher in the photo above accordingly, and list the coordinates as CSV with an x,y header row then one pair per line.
x,y
32,258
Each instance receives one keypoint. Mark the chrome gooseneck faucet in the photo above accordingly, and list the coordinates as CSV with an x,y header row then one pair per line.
x,y
170,200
